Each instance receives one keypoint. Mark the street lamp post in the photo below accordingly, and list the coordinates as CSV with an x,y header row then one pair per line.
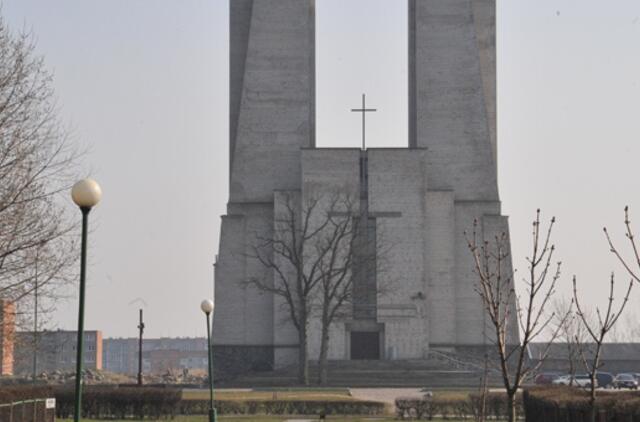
x,y
35,320
86,194
207,308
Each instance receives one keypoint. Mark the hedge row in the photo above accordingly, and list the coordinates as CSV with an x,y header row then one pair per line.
x,y
102,402
283,407
112,402
565,404
14,393
459,408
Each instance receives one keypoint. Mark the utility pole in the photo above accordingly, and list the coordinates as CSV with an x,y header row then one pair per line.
x,y
141,328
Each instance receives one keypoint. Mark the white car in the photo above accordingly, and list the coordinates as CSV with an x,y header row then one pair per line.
x,y
578,380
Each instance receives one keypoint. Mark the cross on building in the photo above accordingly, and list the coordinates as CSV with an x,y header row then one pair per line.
x,y
419,196
364,110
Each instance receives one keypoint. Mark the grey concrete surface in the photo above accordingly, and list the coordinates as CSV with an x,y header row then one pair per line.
x,y
421,198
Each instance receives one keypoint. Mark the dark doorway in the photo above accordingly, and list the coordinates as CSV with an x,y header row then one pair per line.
x,y
365,345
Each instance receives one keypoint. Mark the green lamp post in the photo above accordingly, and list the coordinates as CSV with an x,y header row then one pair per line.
x,y
207,308
86,194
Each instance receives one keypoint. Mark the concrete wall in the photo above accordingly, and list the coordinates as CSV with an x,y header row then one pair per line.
x,y
494,226
284,332
470,316
423,198
453,93
439,255
244,314
325,174
472,325
397,182
272,98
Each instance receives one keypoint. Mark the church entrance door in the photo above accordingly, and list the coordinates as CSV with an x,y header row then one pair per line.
x,y
365,345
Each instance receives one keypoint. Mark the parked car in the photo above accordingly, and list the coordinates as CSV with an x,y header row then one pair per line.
x,y
579,381
625,381
545,377
605,379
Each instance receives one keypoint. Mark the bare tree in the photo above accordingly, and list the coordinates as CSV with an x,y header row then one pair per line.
x,y
309,246
351,254
496,288
597,332
629,265
337,272
571,333
37,165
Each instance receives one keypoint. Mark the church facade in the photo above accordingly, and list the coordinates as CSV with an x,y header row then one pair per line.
x,y
422,197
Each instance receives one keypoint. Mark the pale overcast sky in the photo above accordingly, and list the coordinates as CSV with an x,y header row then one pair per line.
x,y
144,85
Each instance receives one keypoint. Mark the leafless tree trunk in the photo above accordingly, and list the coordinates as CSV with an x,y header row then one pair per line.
x,y
496,288
484,389
336,279
306,249
348,255
571,333
597,332
37,166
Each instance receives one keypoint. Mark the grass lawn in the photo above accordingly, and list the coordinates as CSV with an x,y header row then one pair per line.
x,y
267,419
340,394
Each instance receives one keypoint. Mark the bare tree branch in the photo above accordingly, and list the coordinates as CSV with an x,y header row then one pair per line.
x,y
635,273
598,332
305,248
37,165
495,286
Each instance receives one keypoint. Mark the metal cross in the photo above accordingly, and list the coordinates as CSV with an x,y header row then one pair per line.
x,y
364,111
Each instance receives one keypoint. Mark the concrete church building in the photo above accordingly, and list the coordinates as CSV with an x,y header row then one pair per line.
x,y
422,197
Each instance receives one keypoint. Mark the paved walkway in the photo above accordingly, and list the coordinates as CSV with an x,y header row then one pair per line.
x,y
385,395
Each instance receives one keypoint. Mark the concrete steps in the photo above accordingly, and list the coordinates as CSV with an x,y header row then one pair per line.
x,y
396,373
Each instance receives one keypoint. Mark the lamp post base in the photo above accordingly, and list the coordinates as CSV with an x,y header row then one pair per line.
x,y
212,415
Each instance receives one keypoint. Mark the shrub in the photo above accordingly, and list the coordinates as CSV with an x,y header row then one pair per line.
x,y
560,404
100,402
496,405
461,407
283,407
103,402
415,408
24,392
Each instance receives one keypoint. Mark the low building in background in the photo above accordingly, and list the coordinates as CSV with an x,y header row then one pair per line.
x,y
7,337
615,357
55,351
158,355
162,361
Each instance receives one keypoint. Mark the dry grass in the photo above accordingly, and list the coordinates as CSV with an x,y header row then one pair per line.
x,y
307,395
452,394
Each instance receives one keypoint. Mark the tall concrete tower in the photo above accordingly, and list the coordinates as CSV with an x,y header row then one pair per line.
x,y
272,118
423,196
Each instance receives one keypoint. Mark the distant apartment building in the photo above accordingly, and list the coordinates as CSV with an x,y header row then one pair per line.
x,y
56,351
7,337
120,355
158,355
